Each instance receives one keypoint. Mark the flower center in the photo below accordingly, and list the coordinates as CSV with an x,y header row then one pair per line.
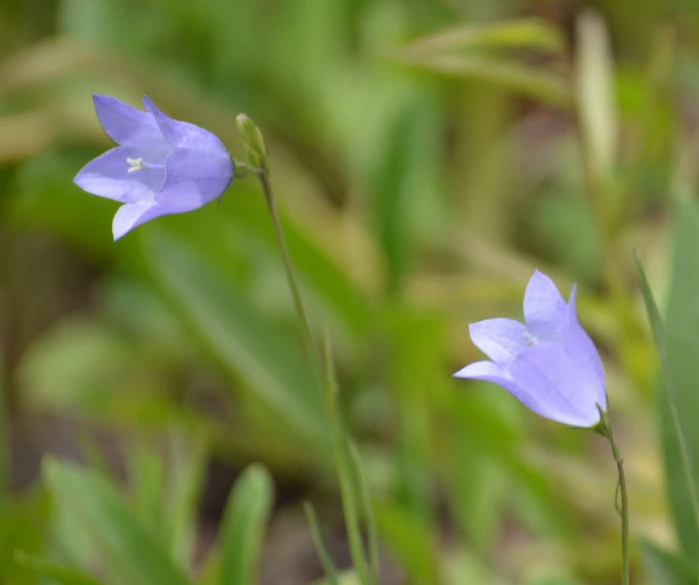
x,y
530,339
137,164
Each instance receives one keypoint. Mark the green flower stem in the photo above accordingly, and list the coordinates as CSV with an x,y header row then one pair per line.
x,y
605,428
326,384
309,343
343,463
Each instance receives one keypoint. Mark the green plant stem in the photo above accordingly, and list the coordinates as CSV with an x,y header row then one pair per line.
x,y
343,463
317,536
325,378
307,333
606,428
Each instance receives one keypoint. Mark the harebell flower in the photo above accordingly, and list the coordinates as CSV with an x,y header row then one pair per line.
x,y
161,166
548,363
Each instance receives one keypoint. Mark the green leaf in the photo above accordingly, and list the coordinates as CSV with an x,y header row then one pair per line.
x,y
666,568
54,571
479,52
126,546
73,365
240,232
189,458
525,33
401,166
682,343
239,335
243,526
146,474
530,81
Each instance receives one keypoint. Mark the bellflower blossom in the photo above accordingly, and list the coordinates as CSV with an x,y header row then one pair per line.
x,y
550,364
160,166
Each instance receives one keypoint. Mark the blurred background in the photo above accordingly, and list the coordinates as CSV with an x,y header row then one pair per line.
x,y
428,156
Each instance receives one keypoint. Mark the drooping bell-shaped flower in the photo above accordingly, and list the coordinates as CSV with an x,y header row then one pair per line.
x,y
550,364
161,166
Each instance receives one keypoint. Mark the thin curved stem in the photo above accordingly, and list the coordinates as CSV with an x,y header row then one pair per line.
x,y
606,429
326,385
307,333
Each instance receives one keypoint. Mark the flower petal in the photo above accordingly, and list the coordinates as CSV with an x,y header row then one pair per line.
x,y
194,177
579,347
132,215
128,126
544,308
502,340
557,386
108,176
479,370
490,372
184,134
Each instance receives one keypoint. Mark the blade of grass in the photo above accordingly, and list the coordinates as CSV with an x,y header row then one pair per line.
x,y
369,518
189,456
54,571
146,472
527,33
665,567
341,449
659,339
545,86
325,560
127,547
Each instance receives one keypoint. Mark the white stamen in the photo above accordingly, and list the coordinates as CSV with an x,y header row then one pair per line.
x,y
136,164
530,339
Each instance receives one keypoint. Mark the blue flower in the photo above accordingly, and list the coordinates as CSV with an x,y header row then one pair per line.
x,y
161,166
550,364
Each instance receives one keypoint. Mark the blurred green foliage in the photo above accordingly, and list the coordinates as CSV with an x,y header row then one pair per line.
x,y
428,156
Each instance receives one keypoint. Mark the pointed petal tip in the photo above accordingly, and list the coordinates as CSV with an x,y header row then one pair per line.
x,y
151,108
105,101
479,370
118,232
573,295
544,307
540,279
462,373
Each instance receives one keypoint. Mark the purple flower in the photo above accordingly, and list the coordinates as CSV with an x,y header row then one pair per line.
x,y
550,364
161,166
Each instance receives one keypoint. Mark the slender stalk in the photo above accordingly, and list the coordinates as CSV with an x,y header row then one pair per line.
x,y
310,346
606,429
372,536
325,558
325,379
